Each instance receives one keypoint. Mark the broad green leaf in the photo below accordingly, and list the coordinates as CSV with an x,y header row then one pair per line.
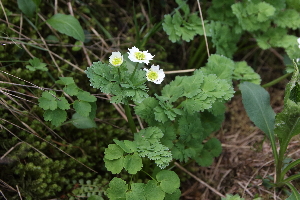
x,y
65,80
71,89
153,191
114,166
48,101
57,116
133,163
63,103
136,192
126,145
83,122
113,152
256,101
169,181
174,196
82,107
67,24
211,149
86,96
28,7
117,189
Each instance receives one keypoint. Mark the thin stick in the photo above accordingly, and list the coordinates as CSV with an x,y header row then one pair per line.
x,y
11,150
204,31
179,71
19,192
199,180
3,195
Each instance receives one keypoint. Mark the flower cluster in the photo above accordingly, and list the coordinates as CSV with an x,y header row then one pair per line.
x,y
154,74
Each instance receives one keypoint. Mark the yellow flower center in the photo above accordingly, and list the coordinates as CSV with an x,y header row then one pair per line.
x,y
140,55
116,61
152,75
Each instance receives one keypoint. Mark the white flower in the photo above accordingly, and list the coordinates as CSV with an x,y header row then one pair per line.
x,y
155,74
135,55
298,40
116,59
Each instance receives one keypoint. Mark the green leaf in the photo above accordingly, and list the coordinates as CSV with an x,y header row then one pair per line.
x,y
28,7
169,181
65,81
219,65
114,166
83,122
288,18
253,16
82,107
71,89
48,101
295,194
36,64
145,110
86,96
148,144
67,24
295,93
113,152
95,197
57,116
256,101
63,103
211,149
243,72
169,28
231,197
133,163
153,191
117,189
136,192
126,145
174,196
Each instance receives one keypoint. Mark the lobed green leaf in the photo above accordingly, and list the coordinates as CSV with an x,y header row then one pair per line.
x,y
117,189
168,181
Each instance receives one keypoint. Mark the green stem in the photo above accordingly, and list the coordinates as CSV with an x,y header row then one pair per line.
x,y
132,75
129,118
276,80
291,178
270,83
290,166
148,175
279,163
119,74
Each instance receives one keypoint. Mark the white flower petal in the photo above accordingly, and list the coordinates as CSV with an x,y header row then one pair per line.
x,y
155,75
135,55
298,40
116,59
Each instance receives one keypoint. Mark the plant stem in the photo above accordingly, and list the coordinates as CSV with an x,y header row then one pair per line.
x,y
129,118
276,80
132,75
290,166
119,75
